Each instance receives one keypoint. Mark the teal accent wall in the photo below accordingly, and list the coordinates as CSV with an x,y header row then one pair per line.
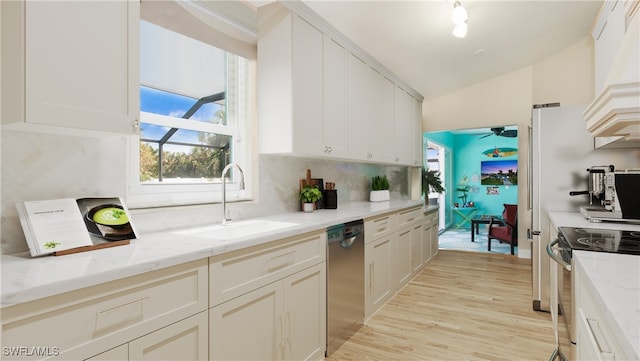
x,y
467,152
467,155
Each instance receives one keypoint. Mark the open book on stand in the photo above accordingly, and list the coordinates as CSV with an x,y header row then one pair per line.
x,y
62,226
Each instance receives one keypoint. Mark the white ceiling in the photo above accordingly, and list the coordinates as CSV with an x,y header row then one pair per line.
x,y
413,38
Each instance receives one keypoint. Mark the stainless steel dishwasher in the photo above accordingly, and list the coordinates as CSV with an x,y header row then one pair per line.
x,y
345,282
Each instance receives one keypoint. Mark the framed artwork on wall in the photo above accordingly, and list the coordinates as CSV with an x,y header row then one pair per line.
x,y
499,172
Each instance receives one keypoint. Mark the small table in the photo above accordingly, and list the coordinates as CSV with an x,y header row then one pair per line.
x,y
466,213
482,219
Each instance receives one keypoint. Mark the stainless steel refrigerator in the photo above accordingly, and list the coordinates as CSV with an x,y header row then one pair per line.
x,y
561,152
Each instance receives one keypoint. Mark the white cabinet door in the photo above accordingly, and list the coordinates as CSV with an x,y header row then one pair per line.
x,y
608,37
249,327
402,260
416,248
119,353
426,243
184,340
402,127
334,120
386,141
361,108
434,238
307,77
81,64
282,320
377,274
304,314
416,134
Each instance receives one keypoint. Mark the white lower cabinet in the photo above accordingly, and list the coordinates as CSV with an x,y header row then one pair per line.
x,y
595,336
117,353
282,320
402,263
89,321
377,274
429,237
268,302
184,340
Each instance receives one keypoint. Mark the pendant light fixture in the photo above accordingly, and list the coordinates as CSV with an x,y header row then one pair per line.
x,y
459,17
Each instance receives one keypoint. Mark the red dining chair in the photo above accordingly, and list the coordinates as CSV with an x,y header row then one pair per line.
x,y
505,229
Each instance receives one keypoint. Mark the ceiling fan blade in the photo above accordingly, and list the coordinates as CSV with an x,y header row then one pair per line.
x,y
512,133
484,136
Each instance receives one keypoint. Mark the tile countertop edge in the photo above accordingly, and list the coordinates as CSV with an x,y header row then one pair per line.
x,y
26,279
615,279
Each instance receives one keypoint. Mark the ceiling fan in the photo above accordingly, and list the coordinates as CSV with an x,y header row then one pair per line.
x,y
501,132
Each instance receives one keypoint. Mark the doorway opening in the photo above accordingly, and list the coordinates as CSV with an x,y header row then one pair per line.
x,y
471,163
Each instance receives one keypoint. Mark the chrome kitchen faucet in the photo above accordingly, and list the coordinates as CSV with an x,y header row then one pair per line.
x,y
226,220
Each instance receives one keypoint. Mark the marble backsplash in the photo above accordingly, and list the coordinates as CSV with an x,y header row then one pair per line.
x,y
46,166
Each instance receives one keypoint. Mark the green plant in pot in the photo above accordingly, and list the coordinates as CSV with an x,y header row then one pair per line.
x,y
379,189
431,181
464,189
309,195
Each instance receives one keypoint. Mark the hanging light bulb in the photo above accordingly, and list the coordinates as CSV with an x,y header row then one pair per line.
x,y
459,14
460,30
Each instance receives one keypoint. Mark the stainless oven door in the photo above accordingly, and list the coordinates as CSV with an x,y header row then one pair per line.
x,y
561,300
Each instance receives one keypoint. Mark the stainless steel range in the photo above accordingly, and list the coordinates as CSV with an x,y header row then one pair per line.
x,y
560,250
600,240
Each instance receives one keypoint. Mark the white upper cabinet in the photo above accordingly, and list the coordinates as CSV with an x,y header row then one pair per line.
x,y
334,98
320,96
362,109
71,64
306,79
614,112
608,35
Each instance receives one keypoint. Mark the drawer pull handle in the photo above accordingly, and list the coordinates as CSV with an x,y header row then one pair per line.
x,y
272,266
598,336
104,312
118,317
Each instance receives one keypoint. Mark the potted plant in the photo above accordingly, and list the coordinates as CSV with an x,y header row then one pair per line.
x,y
379,189
464,189
309,195
431,182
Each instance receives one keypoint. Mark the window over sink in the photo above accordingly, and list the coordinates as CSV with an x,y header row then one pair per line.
x,y
196,104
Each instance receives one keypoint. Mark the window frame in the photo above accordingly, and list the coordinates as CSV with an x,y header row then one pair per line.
x,y
239,121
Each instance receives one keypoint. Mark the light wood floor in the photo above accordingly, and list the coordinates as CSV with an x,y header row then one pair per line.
x,y
463,306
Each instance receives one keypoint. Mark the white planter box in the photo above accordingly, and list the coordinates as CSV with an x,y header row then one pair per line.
x,y
379,196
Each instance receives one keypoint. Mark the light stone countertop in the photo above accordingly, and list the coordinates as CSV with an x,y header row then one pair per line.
x,y
615,278
615,282
26,279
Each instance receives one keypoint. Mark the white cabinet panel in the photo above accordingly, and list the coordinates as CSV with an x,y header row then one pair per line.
x,y
378,288
117,353
402,259
307,77
186,340
249,327
282,320
80,65
334,120
305,316
361,108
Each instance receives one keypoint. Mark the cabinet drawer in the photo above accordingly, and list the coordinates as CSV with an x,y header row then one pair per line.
x,y
112,313
409,216
235,273
431,218
377,227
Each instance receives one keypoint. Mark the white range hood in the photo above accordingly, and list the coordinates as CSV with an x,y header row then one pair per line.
x,y
615,112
